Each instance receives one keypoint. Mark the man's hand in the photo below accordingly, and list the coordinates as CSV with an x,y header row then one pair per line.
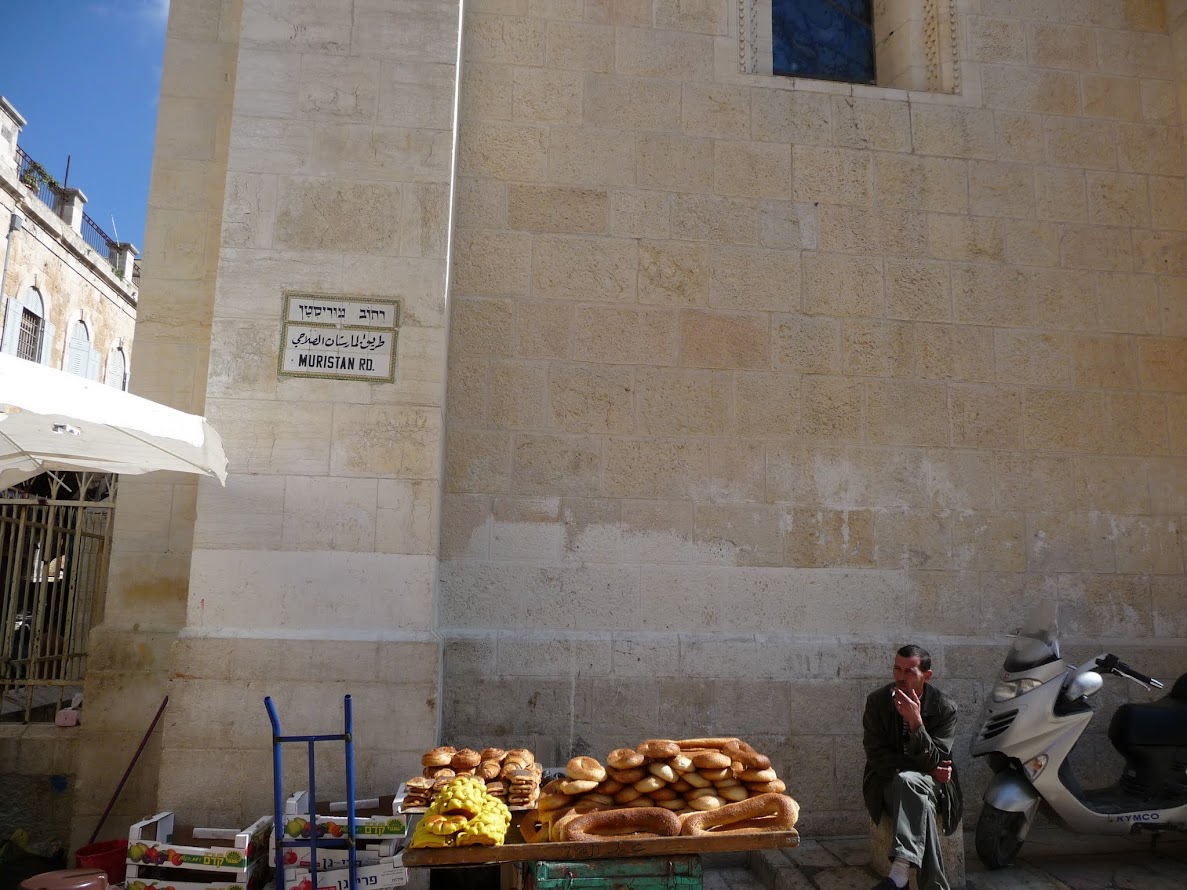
x,y
943,772
907,705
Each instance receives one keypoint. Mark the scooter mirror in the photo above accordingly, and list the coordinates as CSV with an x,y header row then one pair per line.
x,y
1084,684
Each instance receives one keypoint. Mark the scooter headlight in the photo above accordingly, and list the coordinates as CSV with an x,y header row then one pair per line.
x,y
1034,766
1004,690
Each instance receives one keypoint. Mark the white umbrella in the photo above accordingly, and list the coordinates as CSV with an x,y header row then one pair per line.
x,y
51,420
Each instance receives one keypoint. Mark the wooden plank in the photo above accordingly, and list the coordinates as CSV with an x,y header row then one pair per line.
x,y
611,848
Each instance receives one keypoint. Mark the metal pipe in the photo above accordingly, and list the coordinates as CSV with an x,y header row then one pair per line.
x,y
15,223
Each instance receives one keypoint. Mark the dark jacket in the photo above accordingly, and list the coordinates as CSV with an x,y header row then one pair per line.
x,y
887,753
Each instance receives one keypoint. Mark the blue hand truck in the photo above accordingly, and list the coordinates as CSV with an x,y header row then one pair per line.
x,y
278,832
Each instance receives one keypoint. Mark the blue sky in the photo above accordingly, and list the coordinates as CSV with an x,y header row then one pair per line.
x,y
85,74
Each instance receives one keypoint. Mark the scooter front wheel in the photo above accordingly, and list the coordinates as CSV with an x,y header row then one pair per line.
x,y
999,836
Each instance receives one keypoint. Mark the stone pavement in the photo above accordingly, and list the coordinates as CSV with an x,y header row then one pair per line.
x,y
1052,859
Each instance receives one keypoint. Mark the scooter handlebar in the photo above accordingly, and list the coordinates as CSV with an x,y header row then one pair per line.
x,y
1111,664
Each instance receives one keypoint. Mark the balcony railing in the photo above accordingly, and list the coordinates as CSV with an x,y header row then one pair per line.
x,y
98,240
38,180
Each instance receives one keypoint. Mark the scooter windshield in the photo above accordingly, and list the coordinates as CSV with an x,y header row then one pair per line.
x,y
1037,642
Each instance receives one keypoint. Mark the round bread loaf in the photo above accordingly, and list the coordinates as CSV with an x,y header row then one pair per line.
x,y
710,760
627,776
437,757
658,749
625,758
585,768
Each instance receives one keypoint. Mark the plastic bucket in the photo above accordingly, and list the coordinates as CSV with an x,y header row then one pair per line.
x,y
111,856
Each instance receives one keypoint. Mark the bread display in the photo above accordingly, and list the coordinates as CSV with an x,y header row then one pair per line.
x,y
512,777
707,786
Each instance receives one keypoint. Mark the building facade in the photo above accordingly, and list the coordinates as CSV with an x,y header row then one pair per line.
x,y
69,291
712,386
68,298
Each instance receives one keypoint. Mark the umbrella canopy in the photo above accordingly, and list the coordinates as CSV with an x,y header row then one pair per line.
x,y
51,420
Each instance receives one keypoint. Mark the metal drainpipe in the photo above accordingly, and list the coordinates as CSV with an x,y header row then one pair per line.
x,y
15,223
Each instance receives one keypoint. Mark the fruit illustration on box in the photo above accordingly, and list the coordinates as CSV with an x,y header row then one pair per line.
x,y
335,829
175,858
290,858
293,827
136,885
136,852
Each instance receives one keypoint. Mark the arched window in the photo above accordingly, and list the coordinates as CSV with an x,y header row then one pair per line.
x,y
26,332
117,369
78,350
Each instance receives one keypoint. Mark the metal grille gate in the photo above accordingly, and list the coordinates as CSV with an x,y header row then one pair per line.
x,y
53,580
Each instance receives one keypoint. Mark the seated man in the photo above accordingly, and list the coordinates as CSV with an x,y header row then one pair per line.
x,y
908,728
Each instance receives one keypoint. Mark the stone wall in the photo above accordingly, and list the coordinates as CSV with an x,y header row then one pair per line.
x,y
311,574
129,670
752,380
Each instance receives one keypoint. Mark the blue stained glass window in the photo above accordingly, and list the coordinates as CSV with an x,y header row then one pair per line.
x,y
825,39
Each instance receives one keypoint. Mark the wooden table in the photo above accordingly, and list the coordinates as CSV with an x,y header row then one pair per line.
x,y
515,850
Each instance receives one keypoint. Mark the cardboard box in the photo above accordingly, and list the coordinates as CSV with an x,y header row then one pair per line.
x,y
375,818
382,875
156,843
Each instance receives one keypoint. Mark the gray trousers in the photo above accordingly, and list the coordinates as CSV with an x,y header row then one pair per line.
x,y
910,800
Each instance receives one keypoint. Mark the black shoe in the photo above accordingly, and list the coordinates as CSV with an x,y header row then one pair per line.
x,y
886,884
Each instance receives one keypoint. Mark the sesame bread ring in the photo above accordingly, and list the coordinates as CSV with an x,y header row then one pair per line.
x,y
585,768
680,786
576,786
716,775
778,786
709,802
696,780
782,810
610,786
530,828
661,794
711,760
733,794
626,795
681,763
663,771
751,759
658,749
437,757
700,792
466,758
757,775
649,783
625,758
675,804
719,742
627,776
553,801
556,832
597,797
654,821
643,801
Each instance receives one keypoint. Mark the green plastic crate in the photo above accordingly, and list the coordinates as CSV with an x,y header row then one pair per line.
x,y
643,873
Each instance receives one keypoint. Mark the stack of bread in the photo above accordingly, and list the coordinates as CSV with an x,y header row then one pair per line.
x,y
512,777
681,777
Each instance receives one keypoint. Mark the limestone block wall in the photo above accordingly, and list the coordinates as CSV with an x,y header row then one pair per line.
x,y
312,572
753,379
128,669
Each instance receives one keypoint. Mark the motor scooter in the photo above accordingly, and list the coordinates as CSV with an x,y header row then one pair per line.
x,y
1037,711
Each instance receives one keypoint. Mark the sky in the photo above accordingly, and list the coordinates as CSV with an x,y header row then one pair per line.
x,y
86,74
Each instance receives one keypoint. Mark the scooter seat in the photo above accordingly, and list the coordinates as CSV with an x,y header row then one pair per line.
x,y
1160,724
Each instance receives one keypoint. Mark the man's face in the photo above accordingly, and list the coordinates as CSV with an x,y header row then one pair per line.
x,y
907,675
